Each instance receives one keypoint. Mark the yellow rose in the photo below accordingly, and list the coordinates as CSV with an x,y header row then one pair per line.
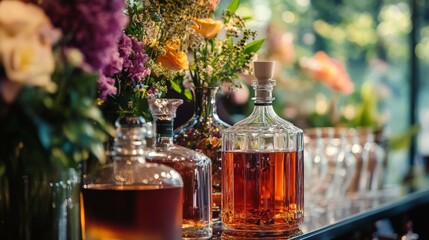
x,y
26,38
173,59
207,27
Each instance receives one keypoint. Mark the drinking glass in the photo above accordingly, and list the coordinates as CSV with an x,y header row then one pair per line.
x,y
372,165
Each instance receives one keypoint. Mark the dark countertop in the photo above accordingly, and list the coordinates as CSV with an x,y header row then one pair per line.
x,y
354,219
333,222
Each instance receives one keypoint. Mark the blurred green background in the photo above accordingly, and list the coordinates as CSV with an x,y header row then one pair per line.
x,y
385,48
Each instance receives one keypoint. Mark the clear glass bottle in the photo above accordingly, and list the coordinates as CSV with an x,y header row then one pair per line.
x,y
203,133
129,198
262,164
195,169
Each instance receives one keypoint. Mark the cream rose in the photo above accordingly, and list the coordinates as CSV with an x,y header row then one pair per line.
x,y
26,38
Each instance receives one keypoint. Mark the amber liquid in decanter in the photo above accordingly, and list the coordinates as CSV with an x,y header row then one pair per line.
x,y
195,204
148,213
255,176
129,198
194,168
262,169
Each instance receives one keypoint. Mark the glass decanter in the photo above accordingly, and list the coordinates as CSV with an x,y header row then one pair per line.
x,y
262,168
129,198
195,169
203,133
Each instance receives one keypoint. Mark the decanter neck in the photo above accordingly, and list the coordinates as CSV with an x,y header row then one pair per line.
x,y
205,102
164,131
263,111
130,140
164,111
263,92
263,85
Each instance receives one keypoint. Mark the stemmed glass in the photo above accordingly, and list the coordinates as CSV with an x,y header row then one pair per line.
x,y
315,170
372,165
330,166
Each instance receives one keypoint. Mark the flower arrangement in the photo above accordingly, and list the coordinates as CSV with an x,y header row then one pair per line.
x,y
228,48
329,71
333,74
50,55
152,54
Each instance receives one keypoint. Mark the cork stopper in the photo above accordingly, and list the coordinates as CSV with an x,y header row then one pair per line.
x,y
263,85
264,70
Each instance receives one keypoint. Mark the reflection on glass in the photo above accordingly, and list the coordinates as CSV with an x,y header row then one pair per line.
x,y
195,169
262,168
354,169
129,198
372,166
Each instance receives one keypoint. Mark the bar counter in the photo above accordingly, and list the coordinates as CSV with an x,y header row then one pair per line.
x,y
358,218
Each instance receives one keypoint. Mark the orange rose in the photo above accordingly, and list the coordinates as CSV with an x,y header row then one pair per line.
x,y
173,59
342,81
327,70
207,27
330,71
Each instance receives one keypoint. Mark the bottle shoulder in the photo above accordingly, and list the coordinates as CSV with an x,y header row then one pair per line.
x,y
264,123
176,153
134,173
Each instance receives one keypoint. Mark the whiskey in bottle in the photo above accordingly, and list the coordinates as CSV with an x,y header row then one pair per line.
x,y
262,164
195,169
129,198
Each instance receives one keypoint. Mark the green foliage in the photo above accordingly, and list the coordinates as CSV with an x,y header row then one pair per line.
x,y
157,25
400,141
320,120
367,110
220,59
134,28
253,47
233,6
47,130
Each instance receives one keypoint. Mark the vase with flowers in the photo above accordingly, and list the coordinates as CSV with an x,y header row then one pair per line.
x,y
152,55
50,56
228,49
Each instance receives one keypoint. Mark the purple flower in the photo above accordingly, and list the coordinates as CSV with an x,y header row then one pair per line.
x,y
135,58
127,63
106,86
125,45
115,66
93,26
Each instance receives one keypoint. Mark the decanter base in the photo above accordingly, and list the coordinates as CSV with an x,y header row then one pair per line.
x,y
197,233
254,234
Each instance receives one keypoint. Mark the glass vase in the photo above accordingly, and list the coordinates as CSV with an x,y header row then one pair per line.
x,y
39,203
203,133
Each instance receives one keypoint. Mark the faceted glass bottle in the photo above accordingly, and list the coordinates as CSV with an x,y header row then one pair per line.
x,y
129,198
262,168
195,169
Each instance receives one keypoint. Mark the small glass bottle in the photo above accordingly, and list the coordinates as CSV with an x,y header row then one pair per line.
x,y
262,164
195,169
129,198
